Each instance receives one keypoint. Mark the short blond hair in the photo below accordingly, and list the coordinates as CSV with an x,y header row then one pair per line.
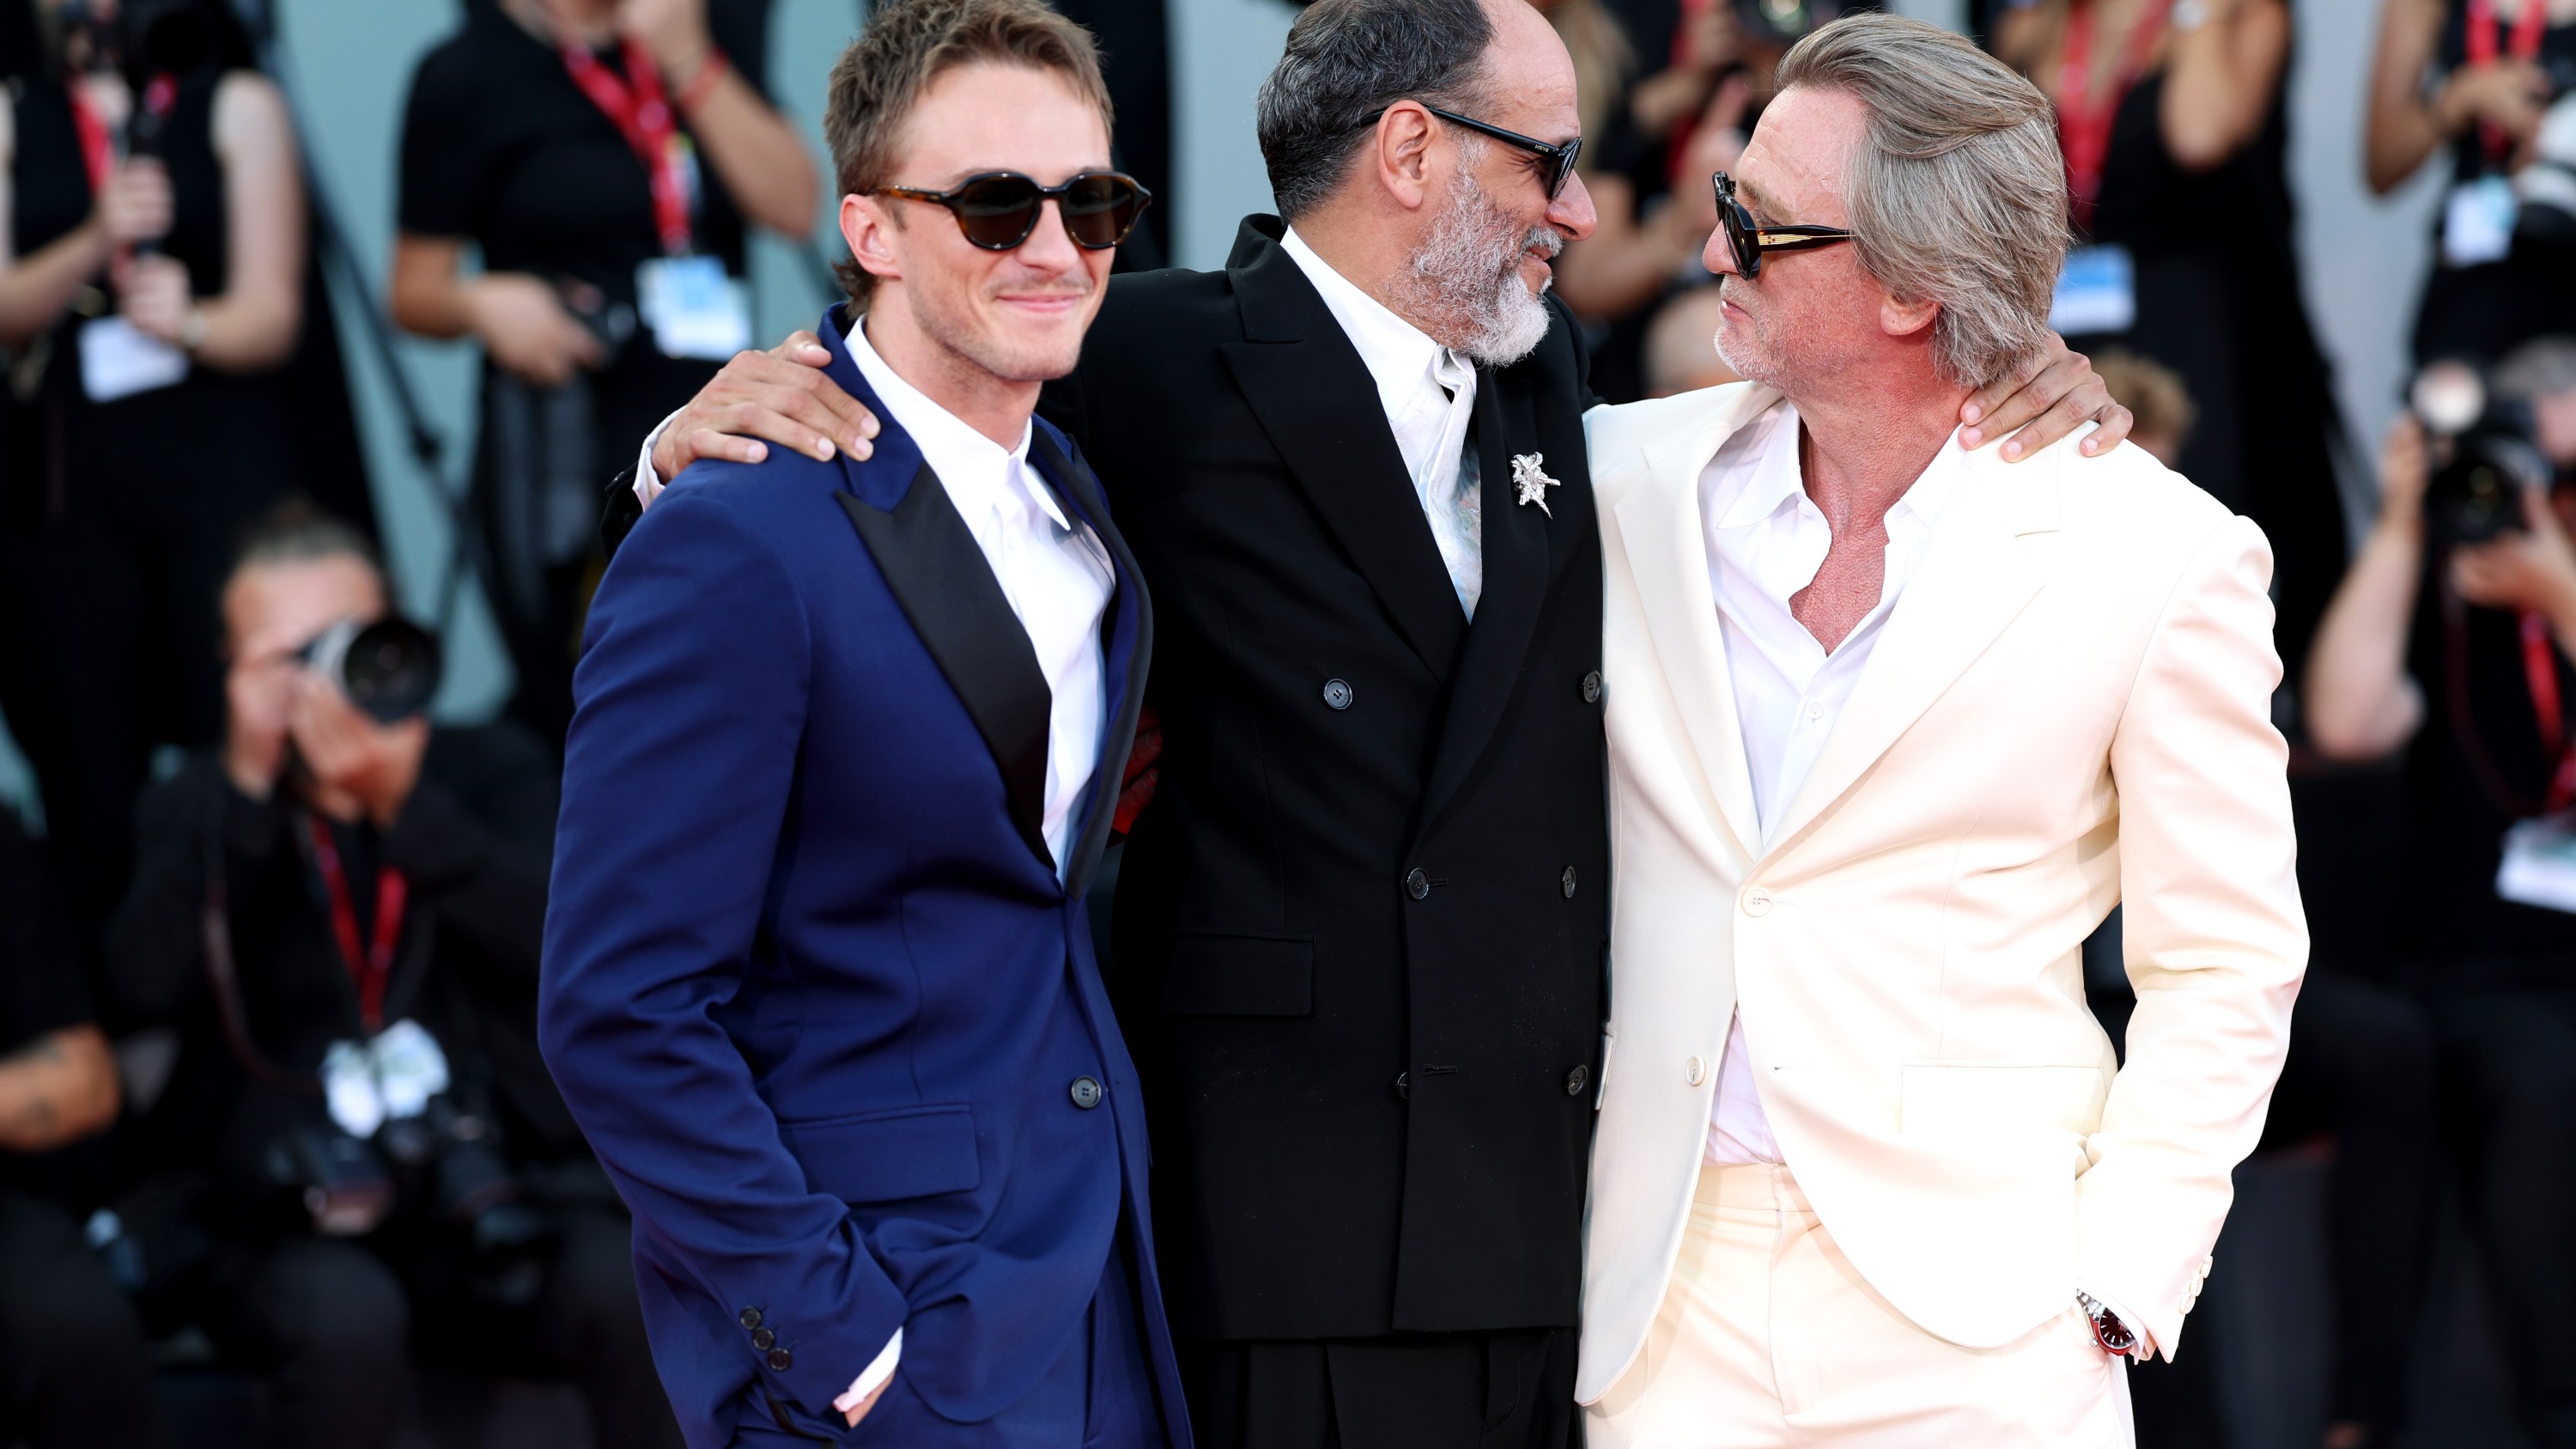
x,y
910,43
1957,194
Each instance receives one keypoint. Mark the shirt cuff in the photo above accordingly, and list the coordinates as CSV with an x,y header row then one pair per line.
x,y
2146,1341
875,1375
648,484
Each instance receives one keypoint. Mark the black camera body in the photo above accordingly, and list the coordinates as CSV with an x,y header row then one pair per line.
x,y
2484,455
389,669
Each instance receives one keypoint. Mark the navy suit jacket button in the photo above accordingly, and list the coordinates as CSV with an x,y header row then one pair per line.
x,y
781,1360
1565,882
1417,885
1337,693
763,1339
1575,1079
1592,687
1086,1093
750,1318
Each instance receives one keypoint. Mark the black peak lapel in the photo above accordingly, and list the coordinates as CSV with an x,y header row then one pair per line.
x,y
1316,401
1129,622
940,577
1516,555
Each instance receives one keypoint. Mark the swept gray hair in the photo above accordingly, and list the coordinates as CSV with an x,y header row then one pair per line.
x,y
1958,193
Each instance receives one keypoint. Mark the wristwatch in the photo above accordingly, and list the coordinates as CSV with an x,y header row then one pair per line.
x,y
2116,1338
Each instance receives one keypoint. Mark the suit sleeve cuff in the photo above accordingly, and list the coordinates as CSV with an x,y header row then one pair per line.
x,y
648,484
875,1375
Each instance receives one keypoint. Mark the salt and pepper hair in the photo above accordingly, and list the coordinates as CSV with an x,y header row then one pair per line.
x,y
1347,60
1957,193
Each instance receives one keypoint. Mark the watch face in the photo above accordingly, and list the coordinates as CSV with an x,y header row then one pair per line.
x,y
2113,1335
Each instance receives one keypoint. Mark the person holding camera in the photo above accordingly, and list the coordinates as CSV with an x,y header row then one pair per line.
x,y
2480,78
151,296
340,911
75,1370
608,159
2450,641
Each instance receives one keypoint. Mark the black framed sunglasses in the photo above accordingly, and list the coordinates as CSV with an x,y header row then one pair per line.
x,y
1560,158
998,210
1749,242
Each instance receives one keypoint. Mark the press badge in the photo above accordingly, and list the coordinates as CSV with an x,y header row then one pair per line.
x,y
2097,292
694,309
2477,222
2539,866
119,359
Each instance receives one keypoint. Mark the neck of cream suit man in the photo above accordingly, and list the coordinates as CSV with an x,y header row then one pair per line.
x,y
2066,709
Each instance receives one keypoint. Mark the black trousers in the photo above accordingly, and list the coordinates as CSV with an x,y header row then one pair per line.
x,y
2511,1055
1504,1390
75,1370
331,1327
2361,1065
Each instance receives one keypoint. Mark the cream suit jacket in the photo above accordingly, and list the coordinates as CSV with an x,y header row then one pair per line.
x,y
2069,709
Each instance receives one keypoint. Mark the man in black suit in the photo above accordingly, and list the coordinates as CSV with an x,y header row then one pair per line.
x,y
1362,930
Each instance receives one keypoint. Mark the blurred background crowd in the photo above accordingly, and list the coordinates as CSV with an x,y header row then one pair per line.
x,y
290,587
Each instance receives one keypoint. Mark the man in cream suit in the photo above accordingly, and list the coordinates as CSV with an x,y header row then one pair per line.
x,y
1893,726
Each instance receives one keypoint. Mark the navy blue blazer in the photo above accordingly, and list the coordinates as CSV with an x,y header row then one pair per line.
x,y
811,983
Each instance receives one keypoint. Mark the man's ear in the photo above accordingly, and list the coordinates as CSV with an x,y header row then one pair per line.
x,y
865,222
1899,317
1401,157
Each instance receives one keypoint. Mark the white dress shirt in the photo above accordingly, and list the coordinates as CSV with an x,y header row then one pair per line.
x,y
1766,539
1429,394
1053,570
1058,579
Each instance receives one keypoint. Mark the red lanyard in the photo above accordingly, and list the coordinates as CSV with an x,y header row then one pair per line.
x,y
643,115
98,152
2540,670
2083,119
2482,28
374,965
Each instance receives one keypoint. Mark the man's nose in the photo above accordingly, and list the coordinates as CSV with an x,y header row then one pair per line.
x,y
1050,247
1571,213
1717,255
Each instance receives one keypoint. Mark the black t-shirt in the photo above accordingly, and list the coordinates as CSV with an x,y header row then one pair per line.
x,y
2478,765
502,148
40,988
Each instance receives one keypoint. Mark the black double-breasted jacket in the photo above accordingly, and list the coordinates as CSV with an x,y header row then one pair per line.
x,y
1361,934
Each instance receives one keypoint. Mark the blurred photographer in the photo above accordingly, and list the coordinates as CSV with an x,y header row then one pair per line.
x,y
2449,639
75,1370
340,910
152,256
2493,82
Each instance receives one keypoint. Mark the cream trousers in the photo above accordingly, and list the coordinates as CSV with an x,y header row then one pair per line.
x,y
1768,1337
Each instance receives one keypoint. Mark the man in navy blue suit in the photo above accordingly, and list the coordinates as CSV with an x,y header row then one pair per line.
x,y
818,981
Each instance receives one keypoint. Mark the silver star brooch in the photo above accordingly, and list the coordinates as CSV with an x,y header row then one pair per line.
x,y
1532,480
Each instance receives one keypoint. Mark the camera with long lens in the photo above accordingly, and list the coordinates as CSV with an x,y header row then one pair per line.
x,y
389,669
442,1168
2483,455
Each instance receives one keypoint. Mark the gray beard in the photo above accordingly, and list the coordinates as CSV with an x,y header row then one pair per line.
x,y
1468,271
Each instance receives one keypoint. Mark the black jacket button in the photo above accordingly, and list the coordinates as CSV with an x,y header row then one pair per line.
x,y
1575,1079
1086,1093
1337,693
763,1339
1417,885
781,1360
1404,1085
750,1318
1566,882
1592,687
